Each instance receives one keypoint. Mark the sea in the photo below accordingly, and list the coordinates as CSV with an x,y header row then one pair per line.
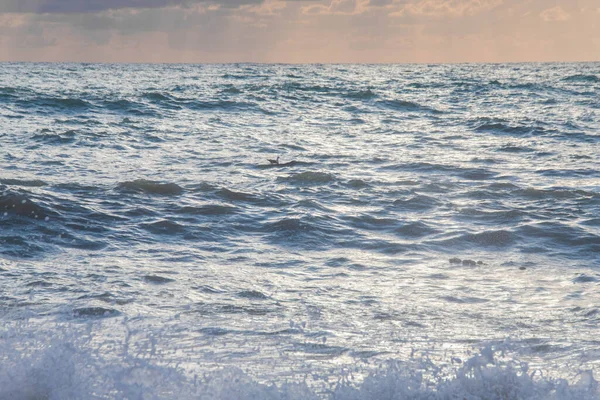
x,y
428,232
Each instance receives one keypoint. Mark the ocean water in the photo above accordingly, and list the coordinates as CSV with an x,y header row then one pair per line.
x,y
431,231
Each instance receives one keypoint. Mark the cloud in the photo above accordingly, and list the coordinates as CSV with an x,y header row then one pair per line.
x,y
92,6
339,7
555,14
298,30
380,3
440,8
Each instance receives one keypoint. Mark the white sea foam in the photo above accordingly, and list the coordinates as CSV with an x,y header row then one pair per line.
x,y
76,362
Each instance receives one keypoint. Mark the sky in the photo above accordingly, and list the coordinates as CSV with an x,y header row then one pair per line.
x,y
300,31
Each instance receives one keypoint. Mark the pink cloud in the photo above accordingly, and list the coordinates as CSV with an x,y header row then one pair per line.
x,y
555,14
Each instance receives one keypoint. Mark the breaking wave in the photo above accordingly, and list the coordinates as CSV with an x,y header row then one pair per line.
x,y
68,364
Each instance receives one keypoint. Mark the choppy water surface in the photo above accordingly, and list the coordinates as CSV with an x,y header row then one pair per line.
x,y
432,231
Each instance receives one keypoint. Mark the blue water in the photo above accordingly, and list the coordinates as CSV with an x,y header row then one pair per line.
x,y
431,231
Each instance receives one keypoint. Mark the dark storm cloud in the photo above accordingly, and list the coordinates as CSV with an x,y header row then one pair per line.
x,y
91,6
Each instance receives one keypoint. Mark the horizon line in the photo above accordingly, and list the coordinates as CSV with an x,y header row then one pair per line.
x,y
296,63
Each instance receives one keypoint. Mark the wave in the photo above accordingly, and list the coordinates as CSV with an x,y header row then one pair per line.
x,y
68,240
172,102
68,103
417,202
157,96
309,178
11,93
46,137
360,94
519,88
296,86
556,193
126,106
582,78
515,149
492,239
417,229
232,195
308,232
429,167
582,278
369,222
477,174
19,204
288,225
543,237
157,279
312,205
555,236
151,187
408,106
21,182
234,76
95,312
357,184
292,163
164,227
491,216
40,222
54,103
210,209
504,127
231,90
219,105
252,295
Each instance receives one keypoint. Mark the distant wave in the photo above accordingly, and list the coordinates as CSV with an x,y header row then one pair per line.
x,y
504,127
582,78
